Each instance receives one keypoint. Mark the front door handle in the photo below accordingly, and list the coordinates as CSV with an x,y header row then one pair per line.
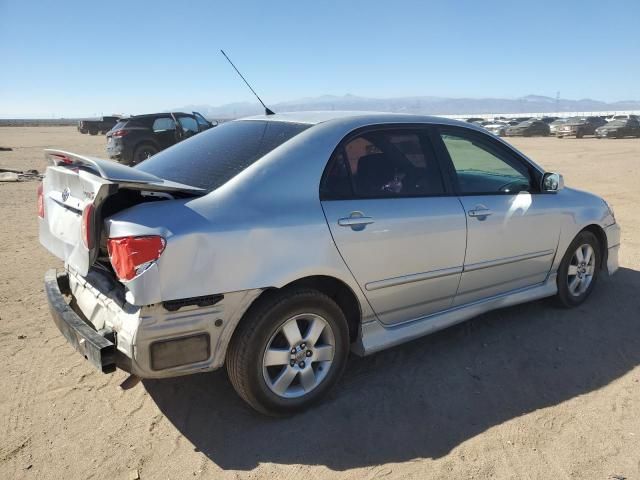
x,y
480,212
354,221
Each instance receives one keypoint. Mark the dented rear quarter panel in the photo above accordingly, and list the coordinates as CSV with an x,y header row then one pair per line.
x,y
264,228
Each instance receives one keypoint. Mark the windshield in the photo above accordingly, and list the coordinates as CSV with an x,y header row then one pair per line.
x,y
559,122
526,123
616,123
212,158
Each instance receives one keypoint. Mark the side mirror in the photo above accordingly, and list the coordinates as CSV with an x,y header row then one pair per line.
x,y
552,182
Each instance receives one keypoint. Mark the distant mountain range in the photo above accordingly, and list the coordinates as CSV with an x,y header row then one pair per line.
x,y
421,105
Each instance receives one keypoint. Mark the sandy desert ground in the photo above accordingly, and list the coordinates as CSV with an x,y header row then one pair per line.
x,y
527,392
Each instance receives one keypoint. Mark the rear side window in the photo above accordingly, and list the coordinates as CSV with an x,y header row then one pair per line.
x,y
382,164
213,157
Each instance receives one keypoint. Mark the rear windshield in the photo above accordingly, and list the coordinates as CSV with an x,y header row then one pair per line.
x,y
213,157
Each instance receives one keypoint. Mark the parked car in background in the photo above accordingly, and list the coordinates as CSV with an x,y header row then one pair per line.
x,y
93,127
134,139
528,128
579,127
278,244
548,120
629,127
497,128
622,117
553,126
475,120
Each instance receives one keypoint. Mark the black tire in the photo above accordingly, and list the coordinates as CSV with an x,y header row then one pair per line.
x,y
579,134
142,152
84,131
564,297
255,331
93,132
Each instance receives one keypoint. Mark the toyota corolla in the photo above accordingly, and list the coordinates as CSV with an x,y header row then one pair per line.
x,y
277,244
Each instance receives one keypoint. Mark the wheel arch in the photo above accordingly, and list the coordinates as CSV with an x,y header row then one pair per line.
x,y
334,288
600,234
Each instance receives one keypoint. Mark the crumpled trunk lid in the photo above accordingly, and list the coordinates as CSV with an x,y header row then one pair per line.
x,y
72,183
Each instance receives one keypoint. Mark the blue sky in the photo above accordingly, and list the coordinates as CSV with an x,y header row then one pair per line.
x,y
85,57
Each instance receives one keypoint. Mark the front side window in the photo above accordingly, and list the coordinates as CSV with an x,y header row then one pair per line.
x,y
482,167
383,163
163,123
201,120
188,124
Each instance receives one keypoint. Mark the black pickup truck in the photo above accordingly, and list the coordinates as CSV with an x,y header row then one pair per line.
x,y
94,127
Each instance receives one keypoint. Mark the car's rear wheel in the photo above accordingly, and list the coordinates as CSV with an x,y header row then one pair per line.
x,y
288,351
579,134
142,152
93,131
578,270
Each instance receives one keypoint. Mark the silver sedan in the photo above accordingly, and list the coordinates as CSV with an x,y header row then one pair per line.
x,y
277,244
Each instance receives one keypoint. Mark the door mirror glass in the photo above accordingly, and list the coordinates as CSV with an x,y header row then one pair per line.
x,y
552,182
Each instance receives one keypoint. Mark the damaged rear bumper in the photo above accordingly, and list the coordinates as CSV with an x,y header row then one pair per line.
x,y
98,349
152,341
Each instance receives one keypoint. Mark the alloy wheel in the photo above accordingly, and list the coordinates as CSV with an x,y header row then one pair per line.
x,y
581,270
298,356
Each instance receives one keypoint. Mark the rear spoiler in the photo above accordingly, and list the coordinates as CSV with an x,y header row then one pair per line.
x,y
114,171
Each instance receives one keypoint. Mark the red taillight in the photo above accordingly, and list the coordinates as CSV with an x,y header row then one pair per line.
x,y
40,201
87,226
62,158
120,133
128,254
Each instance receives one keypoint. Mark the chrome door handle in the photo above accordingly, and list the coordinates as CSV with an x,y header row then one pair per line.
x,y
354,221
480,212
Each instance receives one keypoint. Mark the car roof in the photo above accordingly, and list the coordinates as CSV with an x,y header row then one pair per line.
x,y
365,118
150,115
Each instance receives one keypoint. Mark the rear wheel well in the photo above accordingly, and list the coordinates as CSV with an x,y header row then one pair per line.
x,y
337,290
602,241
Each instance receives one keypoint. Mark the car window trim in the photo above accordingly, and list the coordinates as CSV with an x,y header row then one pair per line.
x,y
425,142
441,149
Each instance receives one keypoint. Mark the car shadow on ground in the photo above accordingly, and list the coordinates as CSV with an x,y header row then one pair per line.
x,y
422,399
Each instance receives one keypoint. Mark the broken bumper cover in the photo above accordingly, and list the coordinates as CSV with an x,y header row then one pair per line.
x,y
100,351
167,339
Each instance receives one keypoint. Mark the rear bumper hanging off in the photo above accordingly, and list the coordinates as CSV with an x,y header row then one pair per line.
x,y
100,351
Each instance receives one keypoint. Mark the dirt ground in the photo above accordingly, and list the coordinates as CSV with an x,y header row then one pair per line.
x,y
527,392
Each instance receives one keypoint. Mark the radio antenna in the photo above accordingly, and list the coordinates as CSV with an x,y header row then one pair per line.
x,y
267,110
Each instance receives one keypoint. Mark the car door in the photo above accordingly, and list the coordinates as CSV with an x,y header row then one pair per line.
x,y
400,230
512,228
165,131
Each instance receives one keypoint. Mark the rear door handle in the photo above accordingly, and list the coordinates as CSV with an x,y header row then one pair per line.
x,y
354,221
480,212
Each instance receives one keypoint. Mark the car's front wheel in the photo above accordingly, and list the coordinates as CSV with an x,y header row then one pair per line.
x,y
578,270
288,351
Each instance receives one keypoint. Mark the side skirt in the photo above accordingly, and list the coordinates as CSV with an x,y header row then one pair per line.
x,y
375,336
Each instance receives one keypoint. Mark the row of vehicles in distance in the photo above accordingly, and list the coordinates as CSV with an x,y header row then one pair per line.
x,y
615,126
95,126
